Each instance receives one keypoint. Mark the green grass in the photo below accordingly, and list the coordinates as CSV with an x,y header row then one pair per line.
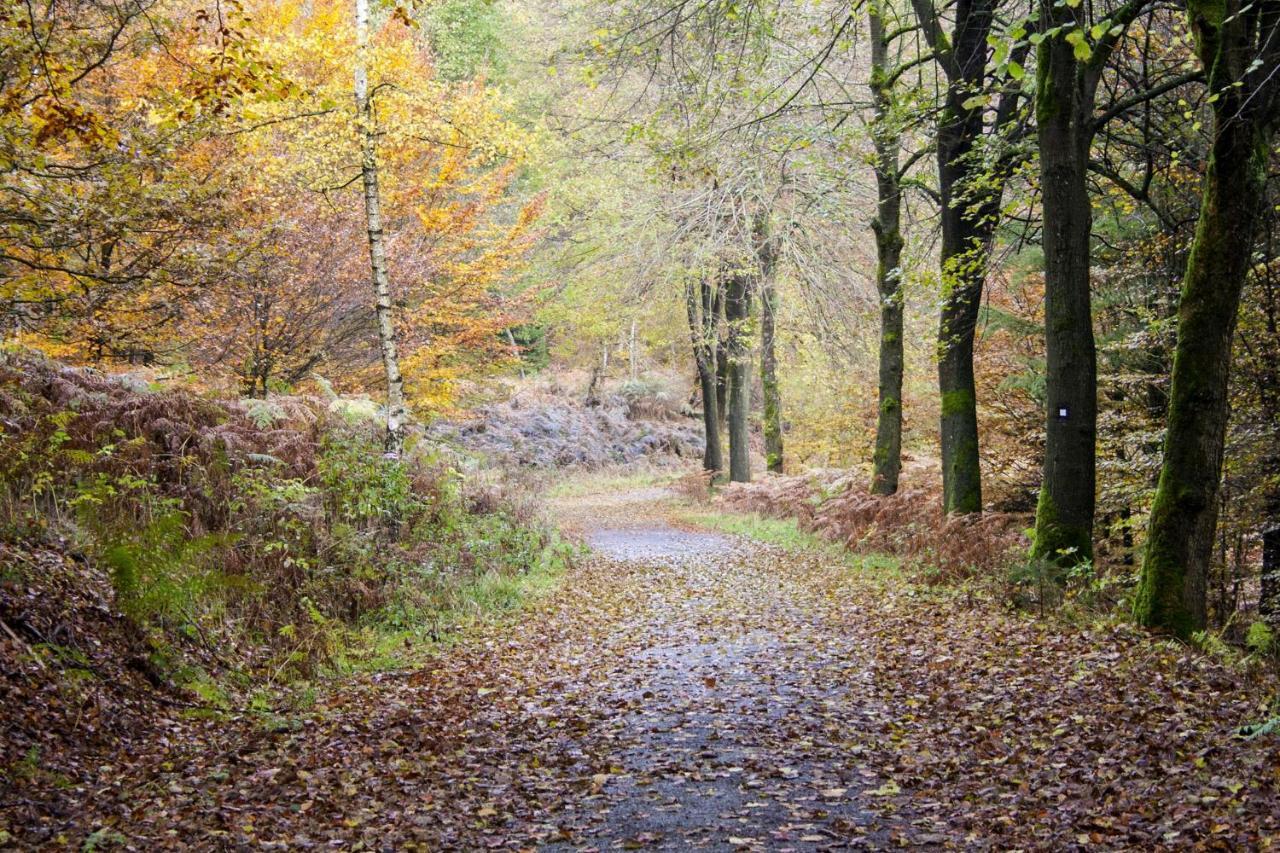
x,y
783,532
490,598
786,534
602,482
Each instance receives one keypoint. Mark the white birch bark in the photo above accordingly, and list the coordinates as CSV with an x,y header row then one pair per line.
x,y
383,307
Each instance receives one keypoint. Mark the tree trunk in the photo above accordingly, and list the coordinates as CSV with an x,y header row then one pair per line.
x,y
1171,595
1064,115
631,351
1269,599
772,399
737,310
887,227
970,209
383,308
702,333
964,265
722,359
516,353
767,257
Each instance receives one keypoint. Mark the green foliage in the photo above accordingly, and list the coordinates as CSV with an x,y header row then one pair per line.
x,y
105,837
466,38
1260,638
1037,583
159,572
264,413
532,341
1062,579
1266,728
362,487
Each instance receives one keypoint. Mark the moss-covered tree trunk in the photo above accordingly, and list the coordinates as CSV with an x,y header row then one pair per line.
x,y
703,331
1172,593
970,193
771,396
1064,114
887,226
966,250
1239,45
721,360
1066,90
737,312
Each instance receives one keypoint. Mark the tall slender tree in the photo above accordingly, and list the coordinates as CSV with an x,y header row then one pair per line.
x,y
737,314
1238,44
980,112
383,308
886,139
771,396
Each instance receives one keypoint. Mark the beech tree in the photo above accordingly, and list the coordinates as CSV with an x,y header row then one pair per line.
x,y
704,332
980,115
737,312
886,138
767,259
1076,43
1238,46
114,221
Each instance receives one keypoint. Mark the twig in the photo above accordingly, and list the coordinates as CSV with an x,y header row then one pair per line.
x,y
22,643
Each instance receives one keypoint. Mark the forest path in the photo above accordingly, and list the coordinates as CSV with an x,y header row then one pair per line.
x,y
739,711
688,690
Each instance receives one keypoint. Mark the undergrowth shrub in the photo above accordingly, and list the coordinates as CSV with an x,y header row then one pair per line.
x,y
266,529
909,524
648,398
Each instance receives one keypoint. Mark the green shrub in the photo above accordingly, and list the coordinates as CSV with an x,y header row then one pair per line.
x,y
362,487
1260,639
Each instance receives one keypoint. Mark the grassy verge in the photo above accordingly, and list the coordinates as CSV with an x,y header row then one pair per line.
x,y
494,597
786,533
584,483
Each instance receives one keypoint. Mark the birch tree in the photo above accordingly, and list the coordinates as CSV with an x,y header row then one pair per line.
x,y
383,309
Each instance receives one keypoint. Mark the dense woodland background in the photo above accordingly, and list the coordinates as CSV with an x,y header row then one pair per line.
x,y
1007,242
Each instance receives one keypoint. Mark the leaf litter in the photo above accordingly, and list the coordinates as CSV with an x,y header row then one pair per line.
x,y
686,690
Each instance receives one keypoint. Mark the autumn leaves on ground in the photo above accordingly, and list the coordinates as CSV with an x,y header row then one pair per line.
x,y
684,687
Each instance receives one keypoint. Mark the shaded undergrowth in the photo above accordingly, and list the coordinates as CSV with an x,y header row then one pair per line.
x,y
161,549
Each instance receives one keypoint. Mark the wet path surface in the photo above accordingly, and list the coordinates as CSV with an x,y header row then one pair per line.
x,y
737,714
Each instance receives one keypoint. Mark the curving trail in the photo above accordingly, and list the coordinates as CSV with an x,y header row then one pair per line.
x,y
688,690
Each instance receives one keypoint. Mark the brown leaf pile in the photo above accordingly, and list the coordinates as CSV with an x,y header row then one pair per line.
x,y
685,690
909,524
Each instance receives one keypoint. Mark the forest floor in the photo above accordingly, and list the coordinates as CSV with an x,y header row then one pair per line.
x,y
692,689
